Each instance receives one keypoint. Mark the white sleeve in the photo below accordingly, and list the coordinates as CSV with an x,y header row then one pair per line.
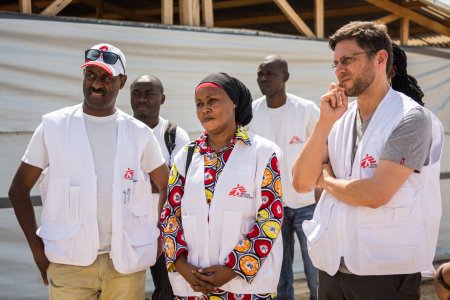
x,y
36,153
152,157
181,140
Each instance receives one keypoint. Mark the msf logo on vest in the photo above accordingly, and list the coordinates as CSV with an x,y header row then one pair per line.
x,y
239,191
129,175
295,140
368,162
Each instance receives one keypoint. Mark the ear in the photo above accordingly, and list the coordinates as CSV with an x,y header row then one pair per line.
x,y
123,79
163,99
382,58
286,76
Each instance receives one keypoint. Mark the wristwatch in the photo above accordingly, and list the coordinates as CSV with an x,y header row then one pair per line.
x,y
441,280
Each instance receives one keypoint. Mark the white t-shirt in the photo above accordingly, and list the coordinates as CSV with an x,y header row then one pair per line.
x,y
102,135
275,115
181,139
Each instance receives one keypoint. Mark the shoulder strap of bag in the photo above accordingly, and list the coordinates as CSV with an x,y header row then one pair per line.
x,y
190,152
169,136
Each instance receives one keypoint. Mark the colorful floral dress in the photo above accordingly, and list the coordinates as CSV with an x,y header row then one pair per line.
x,y
249,254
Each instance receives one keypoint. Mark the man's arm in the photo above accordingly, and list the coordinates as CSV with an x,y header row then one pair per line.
x,y
308,165
160,177
442,281
19,194
370,192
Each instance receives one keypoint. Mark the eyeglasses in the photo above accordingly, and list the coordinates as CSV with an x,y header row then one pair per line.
x,y
108,57
347,60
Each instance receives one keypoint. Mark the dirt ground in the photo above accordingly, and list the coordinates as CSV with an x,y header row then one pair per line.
x,y
302,292
426,289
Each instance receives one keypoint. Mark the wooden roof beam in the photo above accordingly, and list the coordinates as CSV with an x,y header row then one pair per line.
x,y
239,3
293,17
36,5
128,14
279,18
54,8
413,16
387,19
216,6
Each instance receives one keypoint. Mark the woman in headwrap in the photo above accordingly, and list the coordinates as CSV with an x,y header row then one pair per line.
x,y
223,216
401,81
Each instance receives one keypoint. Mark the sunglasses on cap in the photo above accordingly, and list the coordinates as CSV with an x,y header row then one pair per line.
x,y
108,57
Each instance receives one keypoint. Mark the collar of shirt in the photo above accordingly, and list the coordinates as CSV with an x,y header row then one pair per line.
x,y
240,135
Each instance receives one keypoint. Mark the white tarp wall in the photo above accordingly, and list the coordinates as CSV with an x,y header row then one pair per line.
x,y
40,71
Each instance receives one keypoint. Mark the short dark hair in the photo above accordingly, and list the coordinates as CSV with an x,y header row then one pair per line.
x,y
369,36
274,58
148,78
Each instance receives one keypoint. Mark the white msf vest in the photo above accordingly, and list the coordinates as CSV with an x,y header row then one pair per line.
x,y
69,213
230,216
296,115
397,238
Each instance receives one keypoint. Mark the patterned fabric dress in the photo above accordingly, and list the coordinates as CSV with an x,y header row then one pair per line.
x,y
250,253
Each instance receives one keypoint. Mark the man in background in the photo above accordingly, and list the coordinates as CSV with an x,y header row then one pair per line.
x,y
288,121
147,96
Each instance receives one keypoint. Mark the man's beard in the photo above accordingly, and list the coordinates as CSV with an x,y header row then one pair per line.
x,y
361,83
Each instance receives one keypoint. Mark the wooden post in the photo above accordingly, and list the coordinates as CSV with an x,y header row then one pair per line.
x,y
319,18
186,14
190,12
99,9
167,12
207,13
404,31
196,12
25,6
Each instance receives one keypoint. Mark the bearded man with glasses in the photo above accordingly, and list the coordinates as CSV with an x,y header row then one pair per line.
x,y
98,232
375,228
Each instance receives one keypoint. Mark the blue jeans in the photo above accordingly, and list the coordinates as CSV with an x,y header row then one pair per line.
x,y
292,222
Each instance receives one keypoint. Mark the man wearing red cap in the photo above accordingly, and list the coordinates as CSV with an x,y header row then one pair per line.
x,y
98,233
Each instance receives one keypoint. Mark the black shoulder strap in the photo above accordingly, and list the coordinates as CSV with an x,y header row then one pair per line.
x,y
190,152
169,136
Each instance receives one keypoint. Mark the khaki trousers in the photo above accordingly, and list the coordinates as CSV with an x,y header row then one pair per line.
x,y
97,281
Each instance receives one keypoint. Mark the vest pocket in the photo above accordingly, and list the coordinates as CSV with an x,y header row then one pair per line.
x,y
141,236
64,242
392,247
319,246
140,212
139,249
